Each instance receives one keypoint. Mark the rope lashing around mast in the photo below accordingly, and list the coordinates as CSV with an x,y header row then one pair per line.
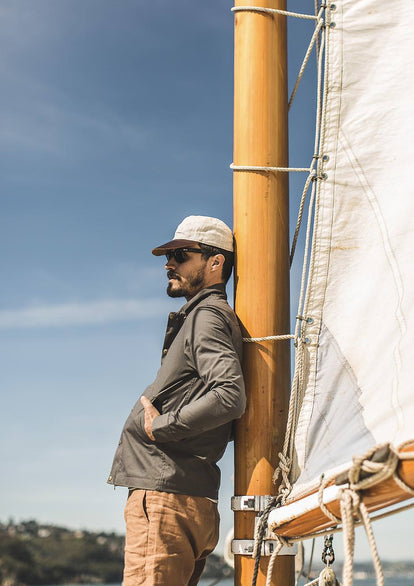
x,y
273,11
269,169
267,338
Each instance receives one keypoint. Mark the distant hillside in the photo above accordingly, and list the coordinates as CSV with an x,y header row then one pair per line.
x,y
35,554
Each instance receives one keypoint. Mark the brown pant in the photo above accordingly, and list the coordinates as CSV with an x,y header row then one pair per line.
x,y
168,537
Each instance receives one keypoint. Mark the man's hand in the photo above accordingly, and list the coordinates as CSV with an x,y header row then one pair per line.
x,y
150,414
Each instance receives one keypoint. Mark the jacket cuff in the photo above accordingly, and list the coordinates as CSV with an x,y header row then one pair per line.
x,y
160,428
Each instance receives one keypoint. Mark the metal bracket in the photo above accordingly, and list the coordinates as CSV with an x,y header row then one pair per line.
x,y
256,503
246,547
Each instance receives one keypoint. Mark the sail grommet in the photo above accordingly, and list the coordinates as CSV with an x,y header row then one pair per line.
x,y
324,176
309,320
332,24
332,7
325,158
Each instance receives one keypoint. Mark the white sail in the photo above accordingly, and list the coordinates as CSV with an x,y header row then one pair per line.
x,y
358,388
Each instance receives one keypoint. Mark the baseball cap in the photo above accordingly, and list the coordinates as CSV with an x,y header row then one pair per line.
x,y
203,229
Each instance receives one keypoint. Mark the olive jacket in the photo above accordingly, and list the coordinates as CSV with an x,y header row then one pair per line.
x,y
198,391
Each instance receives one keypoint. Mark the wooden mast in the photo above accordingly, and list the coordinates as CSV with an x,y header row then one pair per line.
x,y
261,224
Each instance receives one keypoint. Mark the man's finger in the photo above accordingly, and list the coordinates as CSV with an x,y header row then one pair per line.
x,y
145,402
149,407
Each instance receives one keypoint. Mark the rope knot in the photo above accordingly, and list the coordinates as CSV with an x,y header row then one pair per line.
x,y
376,465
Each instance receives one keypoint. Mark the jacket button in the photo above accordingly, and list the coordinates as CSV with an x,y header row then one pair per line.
x,y
110,478
165,351
172,315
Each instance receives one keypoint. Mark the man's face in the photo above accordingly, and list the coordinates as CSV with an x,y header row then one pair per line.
x,y
187,278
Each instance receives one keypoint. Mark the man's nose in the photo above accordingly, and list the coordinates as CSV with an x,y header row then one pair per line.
x,y
170,264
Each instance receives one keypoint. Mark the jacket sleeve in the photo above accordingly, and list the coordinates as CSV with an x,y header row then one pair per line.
x,y
210,349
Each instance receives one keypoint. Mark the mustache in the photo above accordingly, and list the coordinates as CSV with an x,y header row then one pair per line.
x,y
172,275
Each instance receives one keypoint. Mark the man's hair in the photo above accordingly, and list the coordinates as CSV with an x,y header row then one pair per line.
x,y
207,251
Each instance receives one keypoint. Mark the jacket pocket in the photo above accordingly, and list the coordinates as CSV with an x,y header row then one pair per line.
x,y
174,397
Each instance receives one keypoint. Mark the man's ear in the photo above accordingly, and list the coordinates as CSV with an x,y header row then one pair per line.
x,y
217,262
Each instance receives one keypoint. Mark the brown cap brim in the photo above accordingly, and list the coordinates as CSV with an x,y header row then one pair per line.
x,y
172,245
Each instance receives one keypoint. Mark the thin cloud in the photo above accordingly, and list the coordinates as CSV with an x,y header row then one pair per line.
x,y
80,314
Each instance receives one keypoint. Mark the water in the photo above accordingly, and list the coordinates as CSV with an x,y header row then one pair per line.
x,y
394,581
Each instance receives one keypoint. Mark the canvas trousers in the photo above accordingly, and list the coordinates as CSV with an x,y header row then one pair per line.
x,y
168,537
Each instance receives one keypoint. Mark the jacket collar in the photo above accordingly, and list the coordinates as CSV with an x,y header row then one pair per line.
x,y
219,288
176,320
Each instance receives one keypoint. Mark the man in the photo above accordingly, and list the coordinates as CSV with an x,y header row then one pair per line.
x,y
179,429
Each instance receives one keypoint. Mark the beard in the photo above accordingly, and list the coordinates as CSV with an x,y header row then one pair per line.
x,y
194,283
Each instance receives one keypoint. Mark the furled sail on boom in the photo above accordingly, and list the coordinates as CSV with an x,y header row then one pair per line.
x,y
355,387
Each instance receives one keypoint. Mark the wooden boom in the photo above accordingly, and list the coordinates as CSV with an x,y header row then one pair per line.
x,y
304,517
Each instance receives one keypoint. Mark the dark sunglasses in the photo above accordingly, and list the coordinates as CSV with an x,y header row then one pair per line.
x,y
179,254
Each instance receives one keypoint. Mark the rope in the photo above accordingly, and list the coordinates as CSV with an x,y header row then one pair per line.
x,y
307,55
272,11
259,536
266,338
269,169
351,505
322,505
370,534
403,485
272,563
377,471
300,214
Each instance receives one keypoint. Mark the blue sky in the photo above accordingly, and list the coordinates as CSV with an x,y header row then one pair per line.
x,y
116,122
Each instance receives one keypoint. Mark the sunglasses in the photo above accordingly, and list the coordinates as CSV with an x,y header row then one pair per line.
x,y
179,254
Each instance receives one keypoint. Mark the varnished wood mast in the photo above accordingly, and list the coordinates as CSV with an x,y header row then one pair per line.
x,y
261,223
